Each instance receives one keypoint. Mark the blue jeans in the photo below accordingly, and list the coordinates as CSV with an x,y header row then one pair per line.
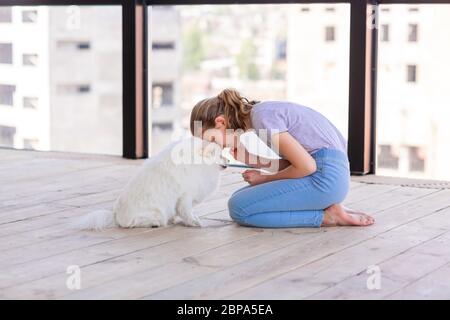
x,y
297,202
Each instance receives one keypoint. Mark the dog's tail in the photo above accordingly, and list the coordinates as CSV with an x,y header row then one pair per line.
x,y
95,220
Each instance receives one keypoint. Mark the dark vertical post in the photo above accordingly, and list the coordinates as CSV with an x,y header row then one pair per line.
x,y
362,86
134,61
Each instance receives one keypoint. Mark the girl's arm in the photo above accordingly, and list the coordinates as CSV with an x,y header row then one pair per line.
x,y
241,154
301,162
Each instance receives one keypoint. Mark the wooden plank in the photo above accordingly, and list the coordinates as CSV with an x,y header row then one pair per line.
x,y
133,254
434,285
397,272
330,276
289,233
71,183
58,244
253,260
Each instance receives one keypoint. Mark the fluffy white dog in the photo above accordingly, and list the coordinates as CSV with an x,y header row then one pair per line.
x,y
165,188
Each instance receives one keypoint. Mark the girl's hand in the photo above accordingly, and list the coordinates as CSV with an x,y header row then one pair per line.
x,y
254,177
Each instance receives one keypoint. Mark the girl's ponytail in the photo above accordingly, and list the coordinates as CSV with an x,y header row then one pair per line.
x,y
229,103
236,108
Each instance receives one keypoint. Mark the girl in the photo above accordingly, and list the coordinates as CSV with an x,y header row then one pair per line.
x,y
312,178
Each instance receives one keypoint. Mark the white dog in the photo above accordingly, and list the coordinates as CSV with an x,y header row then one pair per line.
x,y
165,188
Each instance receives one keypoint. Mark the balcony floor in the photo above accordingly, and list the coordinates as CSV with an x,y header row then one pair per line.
x,y
41,191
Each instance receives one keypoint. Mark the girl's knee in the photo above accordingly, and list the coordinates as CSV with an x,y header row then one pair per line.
x,y
235,209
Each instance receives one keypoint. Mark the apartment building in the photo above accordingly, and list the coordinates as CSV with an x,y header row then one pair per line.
x,y
61,78
413,96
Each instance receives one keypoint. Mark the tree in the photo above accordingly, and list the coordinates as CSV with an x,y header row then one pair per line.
x,y
245,61
193,48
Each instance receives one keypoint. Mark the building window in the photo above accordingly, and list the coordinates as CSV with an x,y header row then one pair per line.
x,y
7,136
30,59
73,45
386,158
330,34
30,102
281,49
163,45
30,144
162,95
73,89
84,89
83,46
5,14
29,16
411,73
166,126
412,32
7,94
385,32
416,159
6,53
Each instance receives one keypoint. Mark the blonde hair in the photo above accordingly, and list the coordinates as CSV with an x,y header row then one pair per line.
x,y
229,103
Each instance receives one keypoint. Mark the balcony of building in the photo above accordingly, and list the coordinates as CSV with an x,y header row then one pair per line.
x,y
88,89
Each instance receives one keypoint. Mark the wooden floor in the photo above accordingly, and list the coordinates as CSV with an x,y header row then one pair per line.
x,y
408,248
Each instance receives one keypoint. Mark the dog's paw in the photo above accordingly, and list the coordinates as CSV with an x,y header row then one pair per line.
x,y
194,223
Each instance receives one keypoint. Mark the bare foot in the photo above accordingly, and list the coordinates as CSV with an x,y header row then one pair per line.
x,y
335,215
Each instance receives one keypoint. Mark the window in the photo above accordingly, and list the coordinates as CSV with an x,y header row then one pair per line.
x,y
163,45
329,33
281,47
412,93
30,144
73,88
412,32
411,73
7,136
7,94
385,32
30,59
84,89
416,159
166,126
73,45
208,56
6,53
30,102
162,95
29,16
83,45
5,14
386,158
